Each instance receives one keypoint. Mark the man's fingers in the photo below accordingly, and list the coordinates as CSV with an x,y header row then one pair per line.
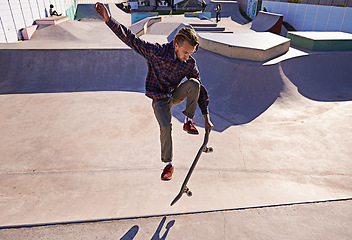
x,y
209,127
100,10
98,7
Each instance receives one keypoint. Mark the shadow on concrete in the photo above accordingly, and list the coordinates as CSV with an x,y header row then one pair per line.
x,y
321,77
239,93
72,70
169,225
130,235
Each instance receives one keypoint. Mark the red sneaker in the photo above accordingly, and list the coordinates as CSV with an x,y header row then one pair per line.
x,y
167,173
190,128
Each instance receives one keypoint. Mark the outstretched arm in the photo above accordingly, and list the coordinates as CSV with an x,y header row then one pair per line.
x,y
144,48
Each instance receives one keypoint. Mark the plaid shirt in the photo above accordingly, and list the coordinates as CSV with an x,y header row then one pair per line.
x,y
165,71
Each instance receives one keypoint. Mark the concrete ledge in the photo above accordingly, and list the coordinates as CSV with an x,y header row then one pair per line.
x,y
28,32
140,28
209,29
248,46
52,20
209,24
322,41
150,22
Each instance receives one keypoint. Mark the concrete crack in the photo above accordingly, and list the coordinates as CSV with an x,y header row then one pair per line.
x,y
239,148
223,214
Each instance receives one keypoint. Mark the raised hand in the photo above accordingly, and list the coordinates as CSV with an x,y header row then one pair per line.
x,y
102,11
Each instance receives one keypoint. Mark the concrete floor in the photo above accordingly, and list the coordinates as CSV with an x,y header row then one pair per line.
x,y
80,142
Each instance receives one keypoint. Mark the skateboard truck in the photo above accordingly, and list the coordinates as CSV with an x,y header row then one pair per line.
x,y
188,192
184,188
208,150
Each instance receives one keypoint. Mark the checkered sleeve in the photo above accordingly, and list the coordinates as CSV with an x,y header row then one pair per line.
x,y
144,48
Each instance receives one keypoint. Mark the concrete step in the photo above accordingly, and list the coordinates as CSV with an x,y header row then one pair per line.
x,y
209,29
54,20
203,24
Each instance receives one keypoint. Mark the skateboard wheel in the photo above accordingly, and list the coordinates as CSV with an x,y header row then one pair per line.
x,y
208,150
189,193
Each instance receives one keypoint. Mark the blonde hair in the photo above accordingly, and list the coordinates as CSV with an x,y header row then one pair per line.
x,y
189,35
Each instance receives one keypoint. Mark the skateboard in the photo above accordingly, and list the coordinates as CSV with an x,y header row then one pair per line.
x,y
184,188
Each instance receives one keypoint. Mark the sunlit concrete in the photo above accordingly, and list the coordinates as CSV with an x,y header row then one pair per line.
x,y
80,142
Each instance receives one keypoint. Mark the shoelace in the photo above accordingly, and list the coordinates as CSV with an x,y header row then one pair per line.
x,y
168,168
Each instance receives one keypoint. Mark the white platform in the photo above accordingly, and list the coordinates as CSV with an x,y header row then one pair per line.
x,y
248,46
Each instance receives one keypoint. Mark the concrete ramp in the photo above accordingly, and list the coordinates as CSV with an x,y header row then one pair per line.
x,y
267,22
72,34
172,35
119,15
229,9
80,141
80,144
53,71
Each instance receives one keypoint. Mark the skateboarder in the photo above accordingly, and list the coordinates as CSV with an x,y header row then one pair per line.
x,y
218,12
168,64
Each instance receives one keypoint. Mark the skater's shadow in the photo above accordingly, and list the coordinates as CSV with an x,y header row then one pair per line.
x,y
169,225
134,230
131,233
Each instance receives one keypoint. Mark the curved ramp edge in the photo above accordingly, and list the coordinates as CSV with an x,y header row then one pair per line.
x,y
267,22
120,15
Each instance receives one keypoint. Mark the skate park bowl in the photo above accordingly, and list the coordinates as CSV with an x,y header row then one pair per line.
x,y
80,150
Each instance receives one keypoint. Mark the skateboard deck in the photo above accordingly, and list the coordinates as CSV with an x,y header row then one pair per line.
x,y
184,188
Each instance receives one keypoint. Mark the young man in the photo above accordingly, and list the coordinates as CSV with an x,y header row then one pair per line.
x,y
168,64
218,12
